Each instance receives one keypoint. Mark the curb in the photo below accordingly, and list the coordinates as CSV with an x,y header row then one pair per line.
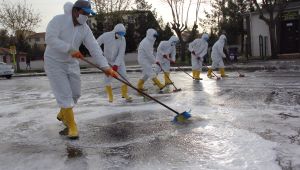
x,y
189,68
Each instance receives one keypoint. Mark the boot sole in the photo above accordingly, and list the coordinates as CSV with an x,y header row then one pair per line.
x,y
73,137
64,132
127,100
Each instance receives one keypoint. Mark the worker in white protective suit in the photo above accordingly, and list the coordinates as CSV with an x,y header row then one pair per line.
x,y
166,55
217,56
64,34
198,49
114,50
146,59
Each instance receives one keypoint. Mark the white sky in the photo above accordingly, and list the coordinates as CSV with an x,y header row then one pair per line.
x,y
49,8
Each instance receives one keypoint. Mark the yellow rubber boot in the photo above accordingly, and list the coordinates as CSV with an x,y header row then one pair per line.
x,y
209,73
140,84
72,127
124,92
109,93
60,117
167,78
157,83
197,75
194,74
222,72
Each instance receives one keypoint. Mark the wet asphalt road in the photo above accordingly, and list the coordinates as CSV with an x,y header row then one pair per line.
x,y
237,123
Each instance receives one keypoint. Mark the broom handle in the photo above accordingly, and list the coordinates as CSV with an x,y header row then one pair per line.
x,y
167,75
185,72
121,75
211,71
182,69
228,62
208,68
128,84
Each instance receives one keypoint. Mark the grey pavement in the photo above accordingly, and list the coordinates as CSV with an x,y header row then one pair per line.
x,y
237,123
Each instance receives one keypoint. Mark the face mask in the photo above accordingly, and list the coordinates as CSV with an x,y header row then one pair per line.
x,y
120,34
82,19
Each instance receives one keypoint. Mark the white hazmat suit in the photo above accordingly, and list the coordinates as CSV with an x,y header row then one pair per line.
x,y
146,58
114,51
64,35
217,56
62,70
166,52
198,49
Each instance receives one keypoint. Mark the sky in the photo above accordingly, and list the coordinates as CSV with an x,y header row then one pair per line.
x,y
49,8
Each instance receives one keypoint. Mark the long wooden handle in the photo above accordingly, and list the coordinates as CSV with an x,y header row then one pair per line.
x,y
167,76
185,72
128,84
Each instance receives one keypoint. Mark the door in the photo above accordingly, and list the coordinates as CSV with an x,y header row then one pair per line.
x,y
290,36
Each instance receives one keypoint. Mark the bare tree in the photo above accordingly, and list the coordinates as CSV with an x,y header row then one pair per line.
x,y
270,12
195,26
108,6
180,10
142,5
19,18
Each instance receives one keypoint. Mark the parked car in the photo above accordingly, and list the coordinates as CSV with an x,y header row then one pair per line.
x,y
6,70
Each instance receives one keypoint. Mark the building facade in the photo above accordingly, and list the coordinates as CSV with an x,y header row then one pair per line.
x,y
7,57
287,32
37,39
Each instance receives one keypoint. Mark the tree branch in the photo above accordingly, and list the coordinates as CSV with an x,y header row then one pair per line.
x,y
261,14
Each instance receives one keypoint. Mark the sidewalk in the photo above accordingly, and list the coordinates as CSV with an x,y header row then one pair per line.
x,y
290,65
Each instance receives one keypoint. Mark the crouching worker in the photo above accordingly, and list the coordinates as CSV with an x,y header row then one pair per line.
x,y
64,34
114,51
146,59
166,55
198,49
217,56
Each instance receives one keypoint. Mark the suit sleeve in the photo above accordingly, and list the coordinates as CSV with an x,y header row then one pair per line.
x,y
173,54
191,46
52,37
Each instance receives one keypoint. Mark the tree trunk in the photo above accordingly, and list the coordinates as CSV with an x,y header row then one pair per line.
x,y
242,37
182,51
273,40
182,46
18,63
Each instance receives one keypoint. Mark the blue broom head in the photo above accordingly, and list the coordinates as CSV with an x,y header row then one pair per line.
x,y
186,115
182,117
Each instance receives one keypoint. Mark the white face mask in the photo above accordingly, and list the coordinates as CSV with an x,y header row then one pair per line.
x,y
82,19
118,36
